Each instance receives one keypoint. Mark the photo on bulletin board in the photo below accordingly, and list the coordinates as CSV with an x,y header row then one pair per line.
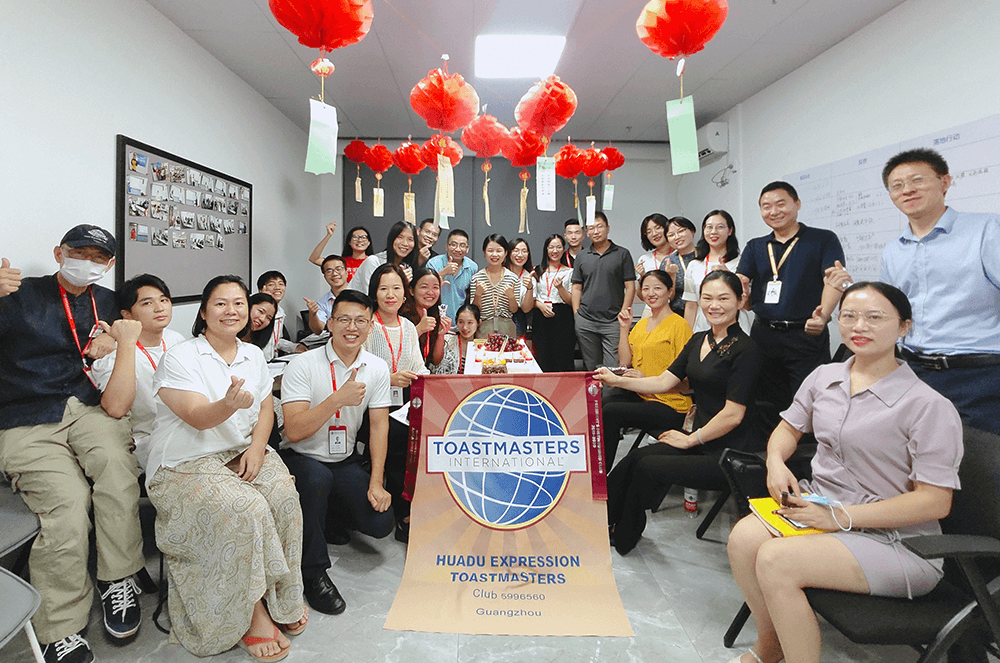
x,y
172,196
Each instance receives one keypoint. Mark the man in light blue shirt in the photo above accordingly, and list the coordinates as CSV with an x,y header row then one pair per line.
x,y
456,272
948,264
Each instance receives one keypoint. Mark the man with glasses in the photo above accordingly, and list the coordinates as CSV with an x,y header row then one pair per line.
x,y
948,265
456,271
334,270
428,234
334,398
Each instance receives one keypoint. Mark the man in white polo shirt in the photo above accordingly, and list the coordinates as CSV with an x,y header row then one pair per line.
x,y
326,393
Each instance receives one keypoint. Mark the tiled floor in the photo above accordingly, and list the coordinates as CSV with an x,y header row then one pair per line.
x,y
677,591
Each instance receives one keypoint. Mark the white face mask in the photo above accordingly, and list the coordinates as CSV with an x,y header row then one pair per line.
x,y
82,273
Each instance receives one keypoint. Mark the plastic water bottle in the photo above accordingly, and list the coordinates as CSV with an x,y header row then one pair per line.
x,y
691,502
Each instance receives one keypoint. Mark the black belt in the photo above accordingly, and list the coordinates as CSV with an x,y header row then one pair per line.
x,y
784,325
944,362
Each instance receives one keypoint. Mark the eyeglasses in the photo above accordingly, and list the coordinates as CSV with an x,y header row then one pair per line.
x,y
873,318
360,238
721,228
915,182
456,245
359,323
333,270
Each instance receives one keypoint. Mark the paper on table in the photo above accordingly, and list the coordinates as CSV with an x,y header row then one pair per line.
x,y
683,136
545,173
321,154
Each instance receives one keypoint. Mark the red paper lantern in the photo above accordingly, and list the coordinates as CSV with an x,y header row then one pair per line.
x,y
407,158
678,28
445,101
356,151
595,162
485,136
440,144
569,161
615,158
523,147
546,107
326,25
379,158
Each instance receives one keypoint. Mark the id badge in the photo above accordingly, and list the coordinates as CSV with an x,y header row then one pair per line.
x,y
773,292
396,395
338,440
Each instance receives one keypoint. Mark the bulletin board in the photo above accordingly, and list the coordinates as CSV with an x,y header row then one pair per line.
x,y
179,220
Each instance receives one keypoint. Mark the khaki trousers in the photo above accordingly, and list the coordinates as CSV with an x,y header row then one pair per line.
x,y
50,464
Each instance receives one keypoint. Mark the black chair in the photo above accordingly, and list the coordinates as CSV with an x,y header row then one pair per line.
x,y
724,494
962,610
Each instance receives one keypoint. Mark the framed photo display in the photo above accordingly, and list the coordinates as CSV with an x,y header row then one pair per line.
x,y
179,220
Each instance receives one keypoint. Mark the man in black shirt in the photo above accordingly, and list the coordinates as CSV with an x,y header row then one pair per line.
x,y
61,450
785,271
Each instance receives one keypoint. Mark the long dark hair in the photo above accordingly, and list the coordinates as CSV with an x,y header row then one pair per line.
x,y
659,220
390,253
349,250
726,277
409,308
261,337
377,275
702,249
509,264
544,264
199,326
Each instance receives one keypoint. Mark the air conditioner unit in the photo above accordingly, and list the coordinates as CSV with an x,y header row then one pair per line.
x,y
713,142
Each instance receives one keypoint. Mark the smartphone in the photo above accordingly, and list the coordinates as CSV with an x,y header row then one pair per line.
x,y
784,499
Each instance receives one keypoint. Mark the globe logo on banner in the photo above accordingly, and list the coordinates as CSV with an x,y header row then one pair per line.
x,y
500,427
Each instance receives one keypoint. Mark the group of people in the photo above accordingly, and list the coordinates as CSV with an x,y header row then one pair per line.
x,y
732,350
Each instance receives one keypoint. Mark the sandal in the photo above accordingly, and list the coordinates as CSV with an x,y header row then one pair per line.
x,y
296,628
248,640
739,658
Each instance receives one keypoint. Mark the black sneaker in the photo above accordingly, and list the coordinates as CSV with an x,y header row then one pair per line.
x,y
72,649
121,609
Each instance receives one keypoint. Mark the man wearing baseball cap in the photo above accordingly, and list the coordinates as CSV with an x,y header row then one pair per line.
x,y
61,450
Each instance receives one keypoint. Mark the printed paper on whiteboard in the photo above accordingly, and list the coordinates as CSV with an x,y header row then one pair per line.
x,y
545,174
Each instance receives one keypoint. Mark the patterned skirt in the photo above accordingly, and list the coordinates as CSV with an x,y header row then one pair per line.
x,y
228,543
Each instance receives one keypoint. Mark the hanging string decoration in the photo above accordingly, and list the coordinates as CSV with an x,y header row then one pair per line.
x,y
356,151
546,108
485,136
569,164
522,149
445,101
615,159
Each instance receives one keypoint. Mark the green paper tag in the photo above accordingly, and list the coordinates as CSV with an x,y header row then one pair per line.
x,y
683,136
321,155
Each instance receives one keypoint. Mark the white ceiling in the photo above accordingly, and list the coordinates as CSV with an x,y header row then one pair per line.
x,y
621,85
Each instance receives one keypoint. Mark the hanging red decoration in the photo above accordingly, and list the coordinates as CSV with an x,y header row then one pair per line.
x,y
440,144
523,147
445,101
615,158
485,136
546,107
322,67
407,158
678,28
569,161
326,25
379,159
595,162
356,151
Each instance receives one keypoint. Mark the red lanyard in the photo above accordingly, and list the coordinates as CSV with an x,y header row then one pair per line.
x,y
72,322
427,343
392,354
163,345
277,335
550,284
333,378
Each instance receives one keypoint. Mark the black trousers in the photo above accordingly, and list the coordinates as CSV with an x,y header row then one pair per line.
x,y
640,480
626,409
787,357
554,339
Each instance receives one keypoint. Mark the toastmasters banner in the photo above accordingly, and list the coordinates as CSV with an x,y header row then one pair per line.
x,y
509,530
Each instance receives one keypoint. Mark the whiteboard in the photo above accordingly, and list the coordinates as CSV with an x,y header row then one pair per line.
x,y
848,197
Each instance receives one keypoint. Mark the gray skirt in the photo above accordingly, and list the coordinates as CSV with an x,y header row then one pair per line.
x,y
889,567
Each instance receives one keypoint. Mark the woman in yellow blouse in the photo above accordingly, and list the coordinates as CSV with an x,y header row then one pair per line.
x,y
647,350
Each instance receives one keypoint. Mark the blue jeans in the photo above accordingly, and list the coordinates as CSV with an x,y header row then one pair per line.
x,y
332,492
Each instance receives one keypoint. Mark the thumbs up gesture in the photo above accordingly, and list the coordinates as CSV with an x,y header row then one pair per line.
x,y
817,323
10,278
352,392
311,305
236,397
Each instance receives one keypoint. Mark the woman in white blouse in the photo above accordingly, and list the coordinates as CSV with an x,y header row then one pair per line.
x,y
553,332
494,288
228,517
394,339
399,250
718,248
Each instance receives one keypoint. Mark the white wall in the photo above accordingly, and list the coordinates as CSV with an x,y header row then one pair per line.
x,y
74,74
924,66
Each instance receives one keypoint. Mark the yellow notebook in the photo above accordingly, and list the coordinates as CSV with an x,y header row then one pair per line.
x,y
764,508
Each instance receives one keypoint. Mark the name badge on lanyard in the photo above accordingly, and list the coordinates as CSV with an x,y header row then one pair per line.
x,y
772,292
338,440
396,395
